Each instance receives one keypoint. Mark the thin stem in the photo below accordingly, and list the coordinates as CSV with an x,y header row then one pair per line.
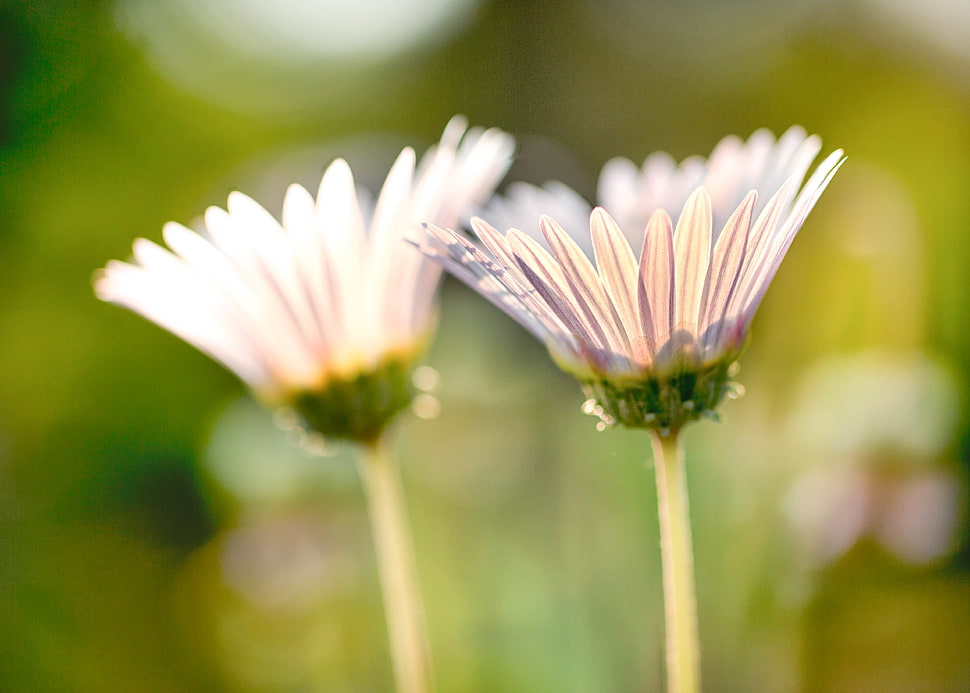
x,y
395,560
677,556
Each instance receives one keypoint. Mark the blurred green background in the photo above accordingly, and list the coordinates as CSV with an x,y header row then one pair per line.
x,y
159,533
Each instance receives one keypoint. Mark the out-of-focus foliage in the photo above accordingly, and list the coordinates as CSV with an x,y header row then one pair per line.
x,y
160,533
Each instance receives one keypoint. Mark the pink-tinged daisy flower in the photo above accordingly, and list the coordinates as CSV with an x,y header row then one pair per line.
x,y
650,309
327,310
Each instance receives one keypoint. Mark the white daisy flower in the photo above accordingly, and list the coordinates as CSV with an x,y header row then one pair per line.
x,y
651,338
328,309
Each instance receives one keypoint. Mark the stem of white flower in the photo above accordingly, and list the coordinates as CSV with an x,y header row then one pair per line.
x,y
395,560
677,557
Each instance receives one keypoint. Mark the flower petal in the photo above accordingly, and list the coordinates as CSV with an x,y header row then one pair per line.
x,y
618,269
692,256
466,261
656,288
723,274
586,286
758,283
306,245
515,279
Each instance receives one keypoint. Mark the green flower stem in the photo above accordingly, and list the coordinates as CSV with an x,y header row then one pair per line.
x,y
395,559
677,556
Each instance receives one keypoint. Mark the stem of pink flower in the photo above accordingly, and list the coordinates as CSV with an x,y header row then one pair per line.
x,y
677,557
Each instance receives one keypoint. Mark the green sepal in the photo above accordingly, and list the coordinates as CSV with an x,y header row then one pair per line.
x,y
357,408
655,401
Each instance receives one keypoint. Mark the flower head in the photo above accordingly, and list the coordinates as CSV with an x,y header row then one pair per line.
x,y
327,310
651,338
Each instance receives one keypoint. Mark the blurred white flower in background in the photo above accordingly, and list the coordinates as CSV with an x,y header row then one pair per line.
x,y
873,429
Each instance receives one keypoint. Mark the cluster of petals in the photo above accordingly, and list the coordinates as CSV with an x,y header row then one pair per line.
x,y
674,265
332,288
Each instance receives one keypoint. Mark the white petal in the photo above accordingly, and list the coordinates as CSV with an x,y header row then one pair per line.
x,y
759,244
341,225
547,278
284,348
192,315
586,286
656,289
500,248
478,271
692,255
725,267
482,160
523,204
306,245
758,283
618,269
451,180
392,222
274,252
618,190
